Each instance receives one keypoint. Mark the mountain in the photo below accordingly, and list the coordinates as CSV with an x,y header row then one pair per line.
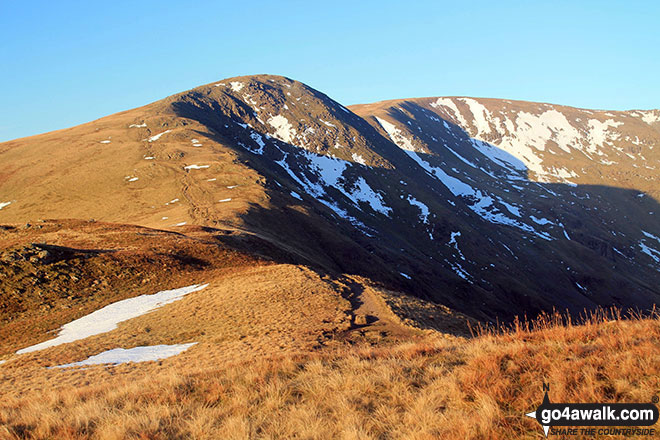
x,y
491,208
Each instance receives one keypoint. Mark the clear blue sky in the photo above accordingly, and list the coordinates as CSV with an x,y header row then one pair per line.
x,y
63,63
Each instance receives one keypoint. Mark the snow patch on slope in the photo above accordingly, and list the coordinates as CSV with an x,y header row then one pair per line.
x,y
236,86
448,103
425,211
396,135
107,318
284,131
138,354
481,116
157,136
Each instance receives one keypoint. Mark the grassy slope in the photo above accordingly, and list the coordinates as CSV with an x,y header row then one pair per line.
x,y
431,388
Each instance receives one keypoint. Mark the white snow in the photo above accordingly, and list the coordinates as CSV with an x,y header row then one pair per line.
x,y
260,141
515,210
197,145
107,318
157,136
405,275
481,116
144,124
196,167
648,116
499,156
458,269
232,186
180,224
330,171
653,253
357,158
296,195
137,354
599,133
225,200
236,86
4,204
448,103
479,202
424,216
283,129
541,221
396,135
149,158
211,180
133,179
363,193
327,123
105,142
649,235
452,240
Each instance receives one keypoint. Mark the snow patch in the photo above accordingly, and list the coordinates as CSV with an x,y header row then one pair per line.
x,y
107,318
425,211
156,137
284,131
448,103
396,135
653,253
138,354
260,141
236,86
359,159
541,221
481,116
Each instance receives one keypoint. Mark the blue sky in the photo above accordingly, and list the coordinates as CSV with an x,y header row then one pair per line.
x,y
64,63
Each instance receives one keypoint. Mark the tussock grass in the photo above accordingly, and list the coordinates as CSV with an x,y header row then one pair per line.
x,y
434,388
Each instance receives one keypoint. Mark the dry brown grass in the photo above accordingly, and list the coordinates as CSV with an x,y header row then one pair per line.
x,y
433,388
91,264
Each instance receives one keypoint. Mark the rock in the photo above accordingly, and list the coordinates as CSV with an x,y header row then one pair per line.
x,y
360,319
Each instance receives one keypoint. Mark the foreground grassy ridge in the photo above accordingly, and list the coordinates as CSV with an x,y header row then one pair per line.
x,y
437,388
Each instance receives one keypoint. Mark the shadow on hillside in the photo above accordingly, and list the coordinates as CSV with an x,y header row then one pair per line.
x,y
593,260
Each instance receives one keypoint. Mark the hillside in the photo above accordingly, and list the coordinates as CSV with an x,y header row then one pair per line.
x,y
252,259
489,207
426,389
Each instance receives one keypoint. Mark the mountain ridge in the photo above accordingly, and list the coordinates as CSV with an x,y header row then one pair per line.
x,y
408,200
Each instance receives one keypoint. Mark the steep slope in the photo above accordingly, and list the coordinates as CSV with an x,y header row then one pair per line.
x,y
407,196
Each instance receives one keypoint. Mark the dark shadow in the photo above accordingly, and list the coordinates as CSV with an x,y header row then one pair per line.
x,y
511,271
